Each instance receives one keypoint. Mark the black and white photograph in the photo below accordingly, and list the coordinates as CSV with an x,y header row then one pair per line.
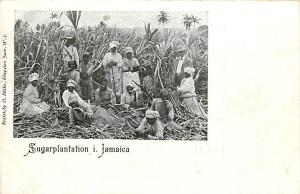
x,y
111,75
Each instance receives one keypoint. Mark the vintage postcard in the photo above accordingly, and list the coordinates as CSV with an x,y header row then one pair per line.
x,y
149,97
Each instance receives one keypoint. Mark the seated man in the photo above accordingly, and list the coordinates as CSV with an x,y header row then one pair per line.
x,y
74,103
151,126
104,96
79,111
165,109
104,115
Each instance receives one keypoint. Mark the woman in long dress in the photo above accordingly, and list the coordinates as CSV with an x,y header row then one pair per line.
x,y
187,94
130,70
112,63
31,104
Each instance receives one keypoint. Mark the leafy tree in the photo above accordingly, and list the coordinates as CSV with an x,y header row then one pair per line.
x,y
53,16
163,18
195,20
187,22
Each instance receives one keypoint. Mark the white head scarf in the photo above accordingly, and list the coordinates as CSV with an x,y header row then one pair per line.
x,y
128,50
33,76
189,70
152,114
71,82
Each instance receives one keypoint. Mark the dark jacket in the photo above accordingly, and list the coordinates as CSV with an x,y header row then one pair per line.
x,y
187,62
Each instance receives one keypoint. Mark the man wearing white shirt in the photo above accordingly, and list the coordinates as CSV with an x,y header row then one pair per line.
x,y
182,62
69,52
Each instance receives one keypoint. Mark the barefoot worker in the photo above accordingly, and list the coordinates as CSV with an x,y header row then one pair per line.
x,y
31,104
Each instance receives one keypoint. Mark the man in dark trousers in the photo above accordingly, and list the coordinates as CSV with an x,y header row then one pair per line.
x,y
181,62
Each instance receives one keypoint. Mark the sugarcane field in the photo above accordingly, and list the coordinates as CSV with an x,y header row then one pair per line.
x,y
111,75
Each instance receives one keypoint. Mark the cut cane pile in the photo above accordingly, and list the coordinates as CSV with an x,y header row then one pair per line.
x,y
54,124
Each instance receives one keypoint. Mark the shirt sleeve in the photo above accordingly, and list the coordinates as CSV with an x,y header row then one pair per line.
x,y
77,77
65,98
76,57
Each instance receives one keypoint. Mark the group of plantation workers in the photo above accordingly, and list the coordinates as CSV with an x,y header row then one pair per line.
x,y
121,81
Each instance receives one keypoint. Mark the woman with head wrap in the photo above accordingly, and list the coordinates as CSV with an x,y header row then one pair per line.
x,y
31,103
112,63
151,126
187,94
130,69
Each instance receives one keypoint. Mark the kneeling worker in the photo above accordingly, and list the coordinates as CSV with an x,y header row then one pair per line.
x,y
165,109
151,126
79,111
78,108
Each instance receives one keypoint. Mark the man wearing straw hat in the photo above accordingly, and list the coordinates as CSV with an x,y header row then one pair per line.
x,y
181,62
31,104
69,52
112,63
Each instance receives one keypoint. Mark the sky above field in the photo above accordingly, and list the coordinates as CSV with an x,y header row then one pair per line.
x,y
118,19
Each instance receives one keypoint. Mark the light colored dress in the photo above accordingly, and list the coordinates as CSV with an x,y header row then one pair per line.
x,y
31,104
113,74
188,97
129,77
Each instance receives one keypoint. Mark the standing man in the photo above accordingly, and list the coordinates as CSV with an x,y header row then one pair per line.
x,y
69,52
112,63
86,78
181,62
